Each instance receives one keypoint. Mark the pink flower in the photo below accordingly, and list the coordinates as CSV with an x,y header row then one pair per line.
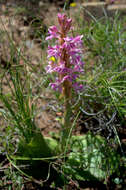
x,y
64,22
68,52
54,51
53,31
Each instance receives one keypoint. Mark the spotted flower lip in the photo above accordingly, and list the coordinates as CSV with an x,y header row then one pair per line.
x,y
54,51
66,53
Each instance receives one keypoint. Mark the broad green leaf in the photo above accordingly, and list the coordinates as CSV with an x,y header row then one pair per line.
x,y
91,158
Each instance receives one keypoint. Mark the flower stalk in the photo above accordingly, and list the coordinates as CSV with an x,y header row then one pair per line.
x,y
68,66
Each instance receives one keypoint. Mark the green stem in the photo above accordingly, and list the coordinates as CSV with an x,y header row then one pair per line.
x,y
66,124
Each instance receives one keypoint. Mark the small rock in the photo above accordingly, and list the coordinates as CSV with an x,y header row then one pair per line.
x,y
41,4
29,43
